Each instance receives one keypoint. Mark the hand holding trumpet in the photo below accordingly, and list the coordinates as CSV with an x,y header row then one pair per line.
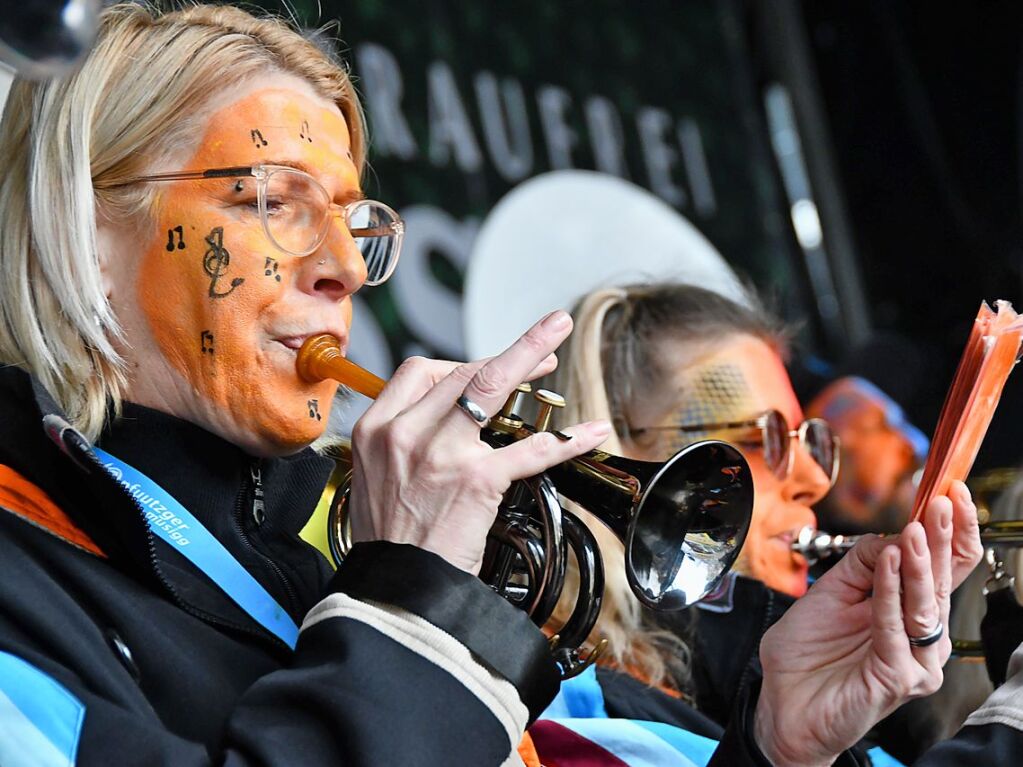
x,y
423,476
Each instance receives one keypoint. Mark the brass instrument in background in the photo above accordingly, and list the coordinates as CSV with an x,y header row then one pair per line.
x,y
816,545
682,521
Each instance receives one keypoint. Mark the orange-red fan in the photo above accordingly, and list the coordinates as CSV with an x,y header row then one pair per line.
x,y
991,351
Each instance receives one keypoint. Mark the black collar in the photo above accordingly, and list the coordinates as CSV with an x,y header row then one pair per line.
x,y
212,478
205,473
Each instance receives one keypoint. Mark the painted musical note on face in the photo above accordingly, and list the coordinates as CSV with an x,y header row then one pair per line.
x,y
304,132
248,388
314,409
216,261
257,138
170,239
270,268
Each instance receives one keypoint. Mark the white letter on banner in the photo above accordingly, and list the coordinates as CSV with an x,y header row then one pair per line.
x,y
695,159
553,102
653,123
606,136
432,311
509,142
382,89
450,129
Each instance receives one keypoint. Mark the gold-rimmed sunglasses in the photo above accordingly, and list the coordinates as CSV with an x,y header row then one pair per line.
x,y
814,435
296,212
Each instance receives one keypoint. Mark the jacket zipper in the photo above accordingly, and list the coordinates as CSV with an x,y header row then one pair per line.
x,y
154,562
257,511
258,507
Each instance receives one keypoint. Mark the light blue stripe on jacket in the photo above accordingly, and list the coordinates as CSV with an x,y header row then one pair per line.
x,y
40,721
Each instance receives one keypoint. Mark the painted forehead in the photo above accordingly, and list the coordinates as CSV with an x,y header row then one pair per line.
x,y
274,125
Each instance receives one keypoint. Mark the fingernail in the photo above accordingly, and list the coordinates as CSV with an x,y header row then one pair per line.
x,y
919,546
893,563
599,428
944,521
557,320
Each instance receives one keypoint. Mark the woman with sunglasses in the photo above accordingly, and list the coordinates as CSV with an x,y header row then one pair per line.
x,y
669,365
676,364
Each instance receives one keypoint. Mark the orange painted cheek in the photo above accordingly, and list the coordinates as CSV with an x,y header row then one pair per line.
x,y
201,289
171,283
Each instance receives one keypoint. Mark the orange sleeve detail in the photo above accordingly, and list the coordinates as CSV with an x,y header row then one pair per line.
x,y
21,497
528,751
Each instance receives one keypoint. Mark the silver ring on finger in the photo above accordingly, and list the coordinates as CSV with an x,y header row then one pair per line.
x,y
474,411
929,638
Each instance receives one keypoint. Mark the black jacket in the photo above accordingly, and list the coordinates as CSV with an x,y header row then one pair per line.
x,y
402,658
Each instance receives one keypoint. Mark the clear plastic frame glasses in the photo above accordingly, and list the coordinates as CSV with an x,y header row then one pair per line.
x,y
775,438
296,213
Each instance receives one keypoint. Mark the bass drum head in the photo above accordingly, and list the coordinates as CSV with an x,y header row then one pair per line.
x,y
560,235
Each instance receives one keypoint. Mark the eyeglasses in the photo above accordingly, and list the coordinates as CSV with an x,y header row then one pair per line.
x,y
814,435
296,212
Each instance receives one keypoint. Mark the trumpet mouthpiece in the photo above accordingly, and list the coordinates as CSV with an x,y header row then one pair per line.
x,y
320,358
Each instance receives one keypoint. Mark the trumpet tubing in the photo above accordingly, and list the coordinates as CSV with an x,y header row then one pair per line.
x,y
815,545
682,521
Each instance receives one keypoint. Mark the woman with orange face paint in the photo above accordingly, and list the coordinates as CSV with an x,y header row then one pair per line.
x,y
176,218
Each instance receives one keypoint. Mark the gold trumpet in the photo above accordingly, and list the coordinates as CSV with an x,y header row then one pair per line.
x,y
682,521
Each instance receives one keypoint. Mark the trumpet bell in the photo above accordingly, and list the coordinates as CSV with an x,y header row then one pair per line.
x,y
689,525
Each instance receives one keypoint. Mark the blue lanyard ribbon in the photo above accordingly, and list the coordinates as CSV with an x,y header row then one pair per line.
x,y
177,526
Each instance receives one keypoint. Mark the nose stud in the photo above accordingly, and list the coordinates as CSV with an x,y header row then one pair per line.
x,y
322,261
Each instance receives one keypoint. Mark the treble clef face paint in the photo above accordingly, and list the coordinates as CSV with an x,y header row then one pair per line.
x,y
212,310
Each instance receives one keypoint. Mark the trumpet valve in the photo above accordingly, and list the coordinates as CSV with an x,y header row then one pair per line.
x,y
548,401
508,419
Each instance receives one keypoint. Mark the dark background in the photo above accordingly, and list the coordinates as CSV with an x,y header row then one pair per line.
x,y
923,104
909,118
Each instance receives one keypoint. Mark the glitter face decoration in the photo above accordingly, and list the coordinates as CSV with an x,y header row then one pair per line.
x,y
740,379
714,393
214,313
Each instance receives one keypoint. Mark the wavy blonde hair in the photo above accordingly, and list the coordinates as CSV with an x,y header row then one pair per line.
x,y
611,359
137,101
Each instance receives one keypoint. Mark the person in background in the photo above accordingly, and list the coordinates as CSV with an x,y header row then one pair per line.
x,y
880,454
668,365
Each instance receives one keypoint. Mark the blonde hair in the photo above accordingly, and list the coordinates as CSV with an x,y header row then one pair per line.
x,y
610,359
136,101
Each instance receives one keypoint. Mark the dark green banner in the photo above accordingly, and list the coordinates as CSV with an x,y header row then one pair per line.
x,y
467,100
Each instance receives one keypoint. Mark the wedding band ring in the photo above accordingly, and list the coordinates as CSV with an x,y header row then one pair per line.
x,y
474,411
929,638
